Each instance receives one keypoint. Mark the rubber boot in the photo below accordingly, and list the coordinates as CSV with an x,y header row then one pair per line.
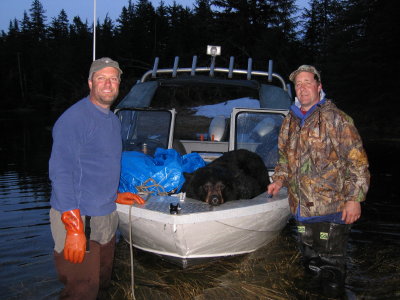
x,y
332,281
310,258
106,263
81,281
323,246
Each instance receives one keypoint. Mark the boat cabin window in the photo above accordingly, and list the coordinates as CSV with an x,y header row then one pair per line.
x,y
258,132
144,130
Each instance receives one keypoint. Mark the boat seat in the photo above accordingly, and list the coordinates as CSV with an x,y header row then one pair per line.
x,y
178,146
218,128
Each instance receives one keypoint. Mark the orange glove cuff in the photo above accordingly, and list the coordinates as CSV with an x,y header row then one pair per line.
x,y
72,220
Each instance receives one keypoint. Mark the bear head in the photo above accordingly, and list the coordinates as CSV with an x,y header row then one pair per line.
x,y
211,184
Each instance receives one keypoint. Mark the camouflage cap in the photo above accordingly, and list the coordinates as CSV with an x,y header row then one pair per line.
x,y
102,63
305,68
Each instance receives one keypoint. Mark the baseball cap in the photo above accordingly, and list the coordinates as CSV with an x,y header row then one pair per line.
x,y
102,63
305,68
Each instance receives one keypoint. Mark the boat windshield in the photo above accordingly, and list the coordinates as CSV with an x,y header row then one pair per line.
x,y
258,132
145,130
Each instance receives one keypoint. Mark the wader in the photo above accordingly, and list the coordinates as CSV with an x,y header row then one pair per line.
x,y
323,246
83,281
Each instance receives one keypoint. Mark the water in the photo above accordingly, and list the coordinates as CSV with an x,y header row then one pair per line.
x,y
26,261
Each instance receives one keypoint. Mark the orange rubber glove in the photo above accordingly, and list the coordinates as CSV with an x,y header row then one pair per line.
x,y
75,241
129,198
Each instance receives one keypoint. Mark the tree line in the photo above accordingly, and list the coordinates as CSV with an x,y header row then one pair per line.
x,y
353,42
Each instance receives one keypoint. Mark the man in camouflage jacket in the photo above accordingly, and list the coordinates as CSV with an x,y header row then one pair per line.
x,y
325,168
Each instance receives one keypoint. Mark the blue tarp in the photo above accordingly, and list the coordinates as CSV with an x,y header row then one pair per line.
x,y
162,173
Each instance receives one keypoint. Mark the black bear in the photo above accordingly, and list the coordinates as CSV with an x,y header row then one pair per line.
x,y
238,174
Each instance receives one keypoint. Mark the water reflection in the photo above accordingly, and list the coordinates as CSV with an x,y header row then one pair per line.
x,y
26,270
26,262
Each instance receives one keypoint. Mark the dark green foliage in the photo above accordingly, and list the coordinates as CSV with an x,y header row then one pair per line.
x,y
353,42
356,44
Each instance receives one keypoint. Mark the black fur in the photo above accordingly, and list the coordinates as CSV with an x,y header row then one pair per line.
x,y
238,174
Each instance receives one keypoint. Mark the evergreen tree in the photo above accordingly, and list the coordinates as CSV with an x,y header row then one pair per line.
x,y
125,20
320,23
37,24
25,23
79,29
81,40
182,32
12,78
362,44
105,35
204,26
124,29
13,28
46,64
58,29
259,29
125,39
143,29
161,31
60,57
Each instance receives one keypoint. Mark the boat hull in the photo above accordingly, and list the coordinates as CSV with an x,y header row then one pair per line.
x,y
203,231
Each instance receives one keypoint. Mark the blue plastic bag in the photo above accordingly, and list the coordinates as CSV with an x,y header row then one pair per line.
x,y
168,169
159,175
136,168
191,162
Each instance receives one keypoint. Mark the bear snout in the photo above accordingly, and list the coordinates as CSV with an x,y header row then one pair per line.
x,y
215,201
214,197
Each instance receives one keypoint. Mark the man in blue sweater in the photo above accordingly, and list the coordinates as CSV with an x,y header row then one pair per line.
x,y
84,170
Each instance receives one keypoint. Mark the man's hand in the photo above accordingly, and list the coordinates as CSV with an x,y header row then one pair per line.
x,y
351,212
129,198
274,188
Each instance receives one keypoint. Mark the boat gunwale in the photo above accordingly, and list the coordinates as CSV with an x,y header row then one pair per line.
x,y
232,209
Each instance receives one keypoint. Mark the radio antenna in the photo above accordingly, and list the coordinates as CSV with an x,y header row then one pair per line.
x,y
94,30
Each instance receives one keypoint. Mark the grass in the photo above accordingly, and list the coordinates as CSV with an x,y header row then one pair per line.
x,y
273,272
265,274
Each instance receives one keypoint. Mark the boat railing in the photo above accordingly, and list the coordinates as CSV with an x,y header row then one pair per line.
x,y
212,69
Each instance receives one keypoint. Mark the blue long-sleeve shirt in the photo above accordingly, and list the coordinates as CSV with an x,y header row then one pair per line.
x,y
84,166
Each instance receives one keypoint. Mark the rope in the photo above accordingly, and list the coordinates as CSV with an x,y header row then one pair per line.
x,y
244,229
159,189
131,253
131,250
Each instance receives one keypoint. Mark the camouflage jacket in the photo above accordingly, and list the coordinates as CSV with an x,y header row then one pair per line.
x,y
322,161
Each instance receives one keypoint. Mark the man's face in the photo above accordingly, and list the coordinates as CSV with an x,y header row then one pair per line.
x,y
307,89
104,86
